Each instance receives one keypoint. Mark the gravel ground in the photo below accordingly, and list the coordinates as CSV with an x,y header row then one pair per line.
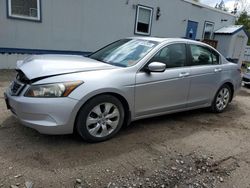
x,y
190,149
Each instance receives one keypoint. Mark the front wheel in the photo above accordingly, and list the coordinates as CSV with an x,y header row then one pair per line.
x,y
100,118
222,99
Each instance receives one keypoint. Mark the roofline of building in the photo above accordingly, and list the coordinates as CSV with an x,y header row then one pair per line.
x,y
208,7
236,31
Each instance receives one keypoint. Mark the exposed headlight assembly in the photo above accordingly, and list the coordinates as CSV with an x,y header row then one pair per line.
x,y
52,90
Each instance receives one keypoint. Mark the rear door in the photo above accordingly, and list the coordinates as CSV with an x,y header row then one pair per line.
x,y
205,69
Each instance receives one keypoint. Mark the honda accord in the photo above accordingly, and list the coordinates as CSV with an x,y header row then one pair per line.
x,y
130,79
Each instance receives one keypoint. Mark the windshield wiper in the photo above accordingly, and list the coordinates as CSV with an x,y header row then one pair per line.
x,y
115,64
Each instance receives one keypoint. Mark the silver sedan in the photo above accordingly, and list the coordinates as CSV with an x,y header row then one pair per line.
x,y
130,79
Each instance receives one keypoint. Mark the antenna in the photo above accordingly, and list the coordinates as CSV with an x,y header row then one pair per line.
x,y
235,10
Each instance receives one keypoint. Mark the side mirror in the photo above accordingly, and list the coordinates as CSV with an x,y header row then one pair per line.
x,y
156,67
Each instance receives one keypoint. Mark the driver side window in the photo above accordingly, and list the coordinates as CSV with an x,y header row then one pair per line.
x,y
173,55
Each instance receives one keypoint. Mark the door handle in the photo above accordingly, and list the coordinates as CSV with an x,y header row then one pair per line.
x,y
217,70
183,74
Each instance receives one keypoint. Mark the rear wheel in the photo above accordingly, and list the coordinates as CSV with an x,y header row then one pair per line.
x,y
222,99
100,118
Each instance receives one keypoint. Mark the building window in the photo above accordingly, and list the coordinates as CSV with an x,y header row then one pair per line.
x,y
143,20
24,9
208,30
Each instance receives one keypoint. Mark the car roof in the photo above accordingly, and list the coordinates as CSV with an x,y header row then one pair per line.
x,y
160,40
169,40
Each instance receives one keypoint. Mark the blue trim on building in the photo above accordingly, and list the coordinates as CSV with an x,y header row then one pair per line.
x,y
191,26
40,51
242,28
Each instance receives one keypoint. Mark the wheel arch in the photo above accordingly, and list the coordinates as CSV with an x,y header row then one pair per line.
x,y
120,97
231,86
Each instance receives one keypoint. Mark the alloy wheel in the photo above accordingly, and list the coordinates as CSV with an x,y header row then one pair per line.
x,y
103,119
222,99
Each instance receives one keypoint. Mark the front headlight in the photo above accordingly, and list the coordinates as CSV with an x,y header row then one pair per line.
x,y
52,90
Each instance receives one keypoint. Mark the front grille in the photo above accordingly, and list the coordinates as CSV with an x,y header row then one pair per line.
x,y
16,87
246,79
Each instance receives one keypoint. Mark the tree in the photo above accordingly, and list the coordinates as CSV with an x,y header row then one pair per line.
x,y
244,5
244,19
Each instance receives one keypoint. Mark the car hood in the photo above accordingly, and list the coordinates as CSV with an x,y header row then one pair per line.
x,y
38,66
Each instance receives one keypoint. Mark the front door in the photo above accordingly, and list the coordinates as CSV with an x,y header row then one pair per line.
x,y
191,30
166,91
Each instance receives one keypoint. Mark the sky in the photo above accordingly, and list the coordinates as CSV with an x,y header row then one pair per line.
x,y
228,3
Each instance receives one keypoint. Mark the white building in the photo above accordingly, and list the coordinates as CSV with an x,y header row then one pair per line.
x,y
232,41
77,26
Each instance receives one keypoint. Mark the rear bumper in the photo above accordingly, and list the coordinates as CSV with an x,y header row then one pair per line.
x,y
46,115
237,87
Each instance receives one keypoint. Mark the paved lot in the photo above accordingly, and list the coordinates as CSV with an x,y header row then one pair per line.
x,y
191,149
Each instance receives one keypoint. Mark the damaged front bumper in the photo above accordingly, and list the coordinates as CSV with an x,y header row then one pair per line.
x,y
46,115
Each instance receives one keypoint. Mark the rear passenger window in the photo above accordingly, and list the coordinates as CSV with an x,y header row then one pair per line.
x,y
173,55
200,55
215,57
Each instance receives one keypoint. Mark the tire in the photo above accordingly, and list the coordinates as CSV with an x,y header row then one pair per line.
x,y
221,99
100,118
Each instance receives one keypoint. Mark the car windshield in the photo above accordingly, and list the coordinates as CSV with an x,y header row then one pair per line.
x,y
125,52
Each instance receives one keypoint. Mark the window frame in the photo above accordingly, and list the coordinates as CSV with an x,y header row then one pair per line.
x,y
150,22
186,63
213,52
212,34
22,17
189,58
